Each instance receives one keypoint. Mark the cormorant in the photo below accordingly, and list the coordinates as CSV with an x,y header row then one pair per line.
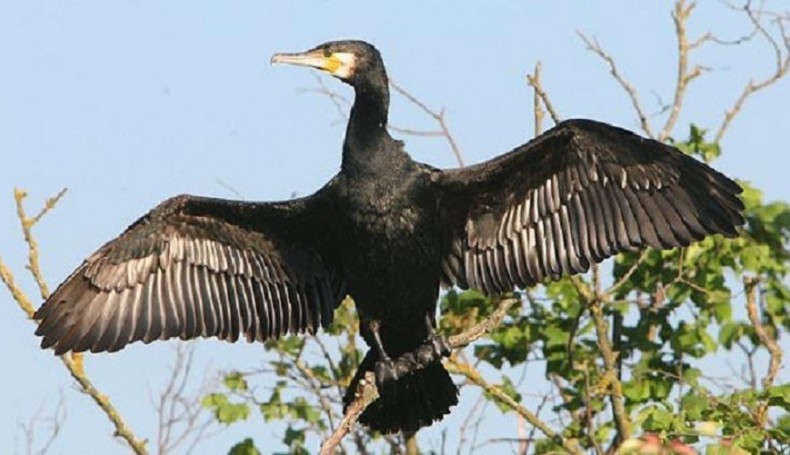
x,y
388,231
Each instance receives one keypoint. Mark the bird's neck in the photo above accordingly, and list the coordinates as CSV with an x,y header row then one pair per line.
x,y
368,145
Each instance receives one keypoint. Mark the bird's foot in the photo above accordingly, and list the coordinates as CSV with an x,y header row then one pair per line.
x,y
387,370
436,346
429,352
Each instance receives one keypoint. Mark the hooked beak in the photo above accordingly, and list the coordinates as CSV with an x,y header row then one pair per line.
x,y
314,59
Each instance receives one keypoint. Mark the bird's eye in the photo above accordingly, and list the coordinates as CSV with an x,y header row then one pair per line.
x,y
327,53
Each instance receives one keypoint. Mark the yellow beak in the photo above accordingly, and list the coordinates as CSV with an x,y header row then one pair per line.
x,y
315,59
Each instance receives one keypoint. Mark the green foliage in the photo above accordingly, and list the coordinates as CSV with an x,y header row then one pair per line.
x,y
224,410
696,145
245,447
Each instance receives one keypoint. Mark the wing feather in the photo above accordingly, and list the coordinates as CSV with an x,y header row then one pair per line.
x,y
196,267
572,197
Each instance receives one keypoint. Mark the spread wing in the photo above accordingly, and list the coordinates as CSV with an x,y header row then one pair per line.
x,y
197,267
579,193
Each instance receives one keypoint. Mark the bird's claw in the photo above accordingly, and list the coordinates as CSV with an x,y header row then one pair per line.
x,y
388,370
441,346
431,351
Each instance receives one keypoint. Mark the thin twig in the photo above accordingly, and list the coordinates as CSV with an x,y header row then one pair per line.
x,y
680,16
365,394
438,116
531,436
536,84
537,109
179,414
72,362
476,332
27,224
314,384
340,102
595,47
621,419
589,413
752,286
627,275
474,376
782,68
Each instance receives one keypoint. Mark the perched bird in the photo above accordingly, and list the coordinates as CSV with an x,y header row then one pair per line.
x,y
388,231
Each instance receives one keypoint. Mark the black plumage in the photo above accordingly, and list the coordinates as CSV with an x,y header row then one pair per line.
x,y
388,231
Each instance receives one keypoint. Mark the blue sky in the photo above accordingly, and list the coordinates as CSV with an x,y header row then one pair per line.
x,y
130,102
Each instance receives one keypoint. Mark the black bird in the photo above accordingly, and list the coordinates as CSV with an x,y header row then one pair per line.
x,y
388,231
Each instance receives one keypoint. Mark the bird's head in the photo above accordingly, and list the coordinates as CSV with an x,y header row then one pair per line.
x,y
347,60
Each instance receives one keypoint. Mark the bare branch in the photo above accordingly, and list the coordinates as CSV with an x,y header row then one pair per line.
x,y
340,102
180,415
595,47
365,393
536,84
27,225
534,81
627,275
752,285
438,116
476,332
52,423
589,413
531,436
611,379
226,186
412,132
474,376
680,16
782,57
313,384
72,362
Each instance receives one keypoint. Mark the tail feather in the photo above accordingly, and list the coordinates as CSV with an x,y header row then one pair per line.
x,y
409,403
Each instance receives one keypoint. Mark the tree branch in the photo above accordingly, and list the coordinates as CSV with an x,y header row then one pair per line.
x,y
533,80
680,16
537,110
781,70
438,116
621,419
474,376
752,286
72,362
365,394
595,47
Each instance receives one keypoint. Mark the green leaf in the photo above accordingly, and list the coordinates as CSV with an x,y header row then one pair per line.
x,y
730,332
750,440
213,400
636,391
694,406
293,437
655,419
235,382
233,412
245,447
782,429
779,396
225,411
510,390
722,310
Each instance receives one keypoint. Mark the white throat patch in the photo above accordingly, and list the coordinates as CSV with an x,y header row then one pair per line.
x,y
348,63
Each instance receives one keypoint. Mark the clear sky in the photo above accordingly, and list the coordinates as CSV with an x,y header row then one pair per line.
x,y
127,103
